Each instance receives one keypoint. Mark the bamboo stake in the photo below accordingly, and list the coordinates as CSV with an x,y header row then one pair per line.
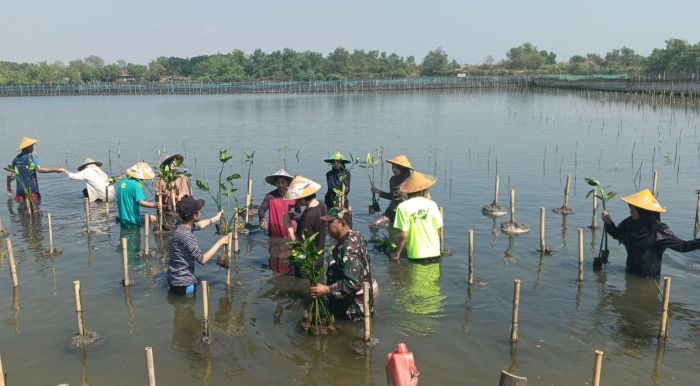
x,y
512,206
441,231
13,268
580,255
653,183
150,366
205,305
495,192
50,236
516,306
663,325
160,213
107,201
87,214
368,314
173,203
79,308
470,274
598,367
236,250
566,191
248,200
146,234
2,373
594,219
542,243
125,257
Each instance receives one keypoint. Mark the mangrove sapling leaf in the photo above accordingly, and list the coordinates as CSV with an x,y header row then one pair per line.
x,y
369,163
599,191
226,189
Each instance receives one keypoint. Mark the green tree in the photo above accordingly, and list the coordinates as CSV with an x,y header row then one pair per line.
x,y
437,63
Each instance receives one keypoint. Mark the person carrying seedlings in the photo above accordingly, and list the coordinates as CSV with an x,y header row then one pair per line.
x,y
184,249
347,270
644,236
96,181
338,180
418,219
303,190
170,181
130,196
401,168
278,207
24,168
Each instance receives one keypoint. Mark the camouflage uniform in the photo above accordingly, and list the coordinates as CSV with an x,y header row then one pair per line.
x,y
347,270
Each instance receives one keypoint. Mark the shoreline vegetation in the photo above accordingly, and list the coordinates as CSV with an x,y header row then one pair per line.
x,y
679,59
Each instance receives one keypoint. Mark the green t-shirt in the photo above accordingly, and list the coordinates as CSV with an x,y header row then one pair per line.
x,y
420,218
129,193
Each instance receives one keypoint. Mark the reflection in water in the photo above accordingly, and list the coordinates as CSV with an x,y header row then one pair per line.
x,y
508,255
29,224
130,308
83,367
564,229
658,361
418,295
513,354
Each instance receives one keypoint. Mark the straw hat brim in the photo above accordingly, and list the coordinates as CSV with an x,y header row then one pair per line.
x,y
401,160
417,182
644,199
141,171
331,160
273,179
301,187
83,166
169,160
26,142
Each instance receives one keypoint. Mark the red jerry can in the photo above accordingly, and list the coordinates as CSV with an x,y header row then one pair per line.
x,y
400,368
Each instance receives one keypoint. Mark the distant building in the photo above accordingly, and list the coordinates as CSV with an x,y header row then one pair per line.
x,y
126,78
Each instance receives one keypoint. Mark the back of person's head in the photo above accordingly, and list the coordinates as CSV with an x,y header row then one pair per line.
x,y
188,207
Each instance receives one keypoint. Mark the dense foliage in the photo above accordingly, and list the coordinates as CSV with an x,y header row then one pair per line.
x,y
678,57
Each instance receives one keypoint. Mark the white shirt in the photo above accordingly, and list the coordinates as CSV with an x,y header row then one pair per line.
x,y
96,181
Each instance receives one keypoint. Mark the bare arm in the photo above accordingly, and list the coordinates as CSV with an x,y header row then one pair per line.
x,y
206,223
50,170
214,248
401,243
148,204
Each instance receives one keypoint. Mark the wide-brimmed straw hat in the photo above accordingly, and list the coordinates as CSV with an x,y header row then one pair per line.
x,y
301,187
401,160
179,158
645,200
271,179
89,161
417,182
141,170
26,142
337,157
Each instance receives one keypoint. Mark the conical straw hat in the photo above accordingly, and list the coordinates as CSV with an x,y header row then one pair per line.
x,y
175,158
645,200
280,173
400,160
417,182
301,187
26,142
337,157
141,170
89,161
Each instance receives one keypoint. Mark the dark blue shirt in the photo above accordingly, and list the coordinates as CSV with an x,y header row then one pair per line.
x,y
26,165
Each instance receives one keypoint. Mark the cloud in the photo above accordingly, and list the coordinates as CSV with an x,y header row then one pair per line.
x,y
208,32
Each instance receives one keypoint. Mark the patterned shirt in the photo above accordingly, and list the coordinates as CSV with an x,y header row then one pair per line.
x,y
184,251
27,165
347,270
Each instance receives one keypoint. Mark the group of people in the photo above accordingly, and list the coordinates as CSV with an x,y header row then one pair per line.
x,y
292,211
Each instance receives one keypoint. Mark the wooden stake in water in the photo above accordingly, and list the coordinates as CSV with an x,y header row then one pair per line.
x,y
441,230
79,308
150,367
566,191
125,258
653,183
598,367
580,255
229,248
516,306
146,234
50,236
248,200
160,213
594,219
236,250
205,305
13,268
87,214
542,242
107,201
173,201
663,324
495,191
470,272
368,314
512,206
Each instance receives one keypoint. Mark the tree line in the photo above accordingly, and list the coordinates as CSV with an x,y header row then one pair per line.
x,y
678,57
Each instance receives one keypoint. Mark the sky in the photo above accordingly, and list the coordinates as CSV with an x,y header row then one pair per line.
x,y
468,30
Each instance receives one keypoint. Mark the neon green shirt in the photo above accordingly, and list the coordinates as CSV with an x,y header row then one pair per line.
x,y
420,218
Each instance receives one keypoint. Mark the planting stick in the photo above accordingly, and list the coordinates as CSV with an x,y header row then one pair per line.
x,y
495,192
580,255
150,366
236,250
50,236
594,220
470,274
512,206
125,257
79,308
542,244
13,268
173,203
160,212
229,247
368,314
146,234
107,201
248,200
2,373
87,214
516,306
205,305
441,230
653,183
597,368
566,191
663,325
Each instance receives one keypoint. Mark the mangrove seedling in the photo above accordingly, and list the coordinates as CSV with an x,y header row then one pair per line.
x,y
226,190
599,191
308,260
370,162
168,175
24,184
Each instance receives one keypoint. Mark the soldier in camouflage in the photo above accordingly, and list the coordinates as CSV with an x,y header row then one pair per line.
x,y
348,269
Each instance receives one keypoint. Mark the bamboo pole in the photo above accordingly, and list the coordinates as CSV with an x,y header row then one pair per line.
x,y
248,200
495,191
441,231
236,249
50,236
13,268
146,234
229,248
512,206
653,183
150,367
663,324
173,202
79,308
160,212
368,313
566,191
542,242
2,373
594,219
580,255
205,305
597,368
125,257
516,306
470,274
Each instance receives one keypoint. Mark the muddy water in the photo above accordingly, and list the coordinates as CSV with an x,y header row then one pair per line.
x,y
459,335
